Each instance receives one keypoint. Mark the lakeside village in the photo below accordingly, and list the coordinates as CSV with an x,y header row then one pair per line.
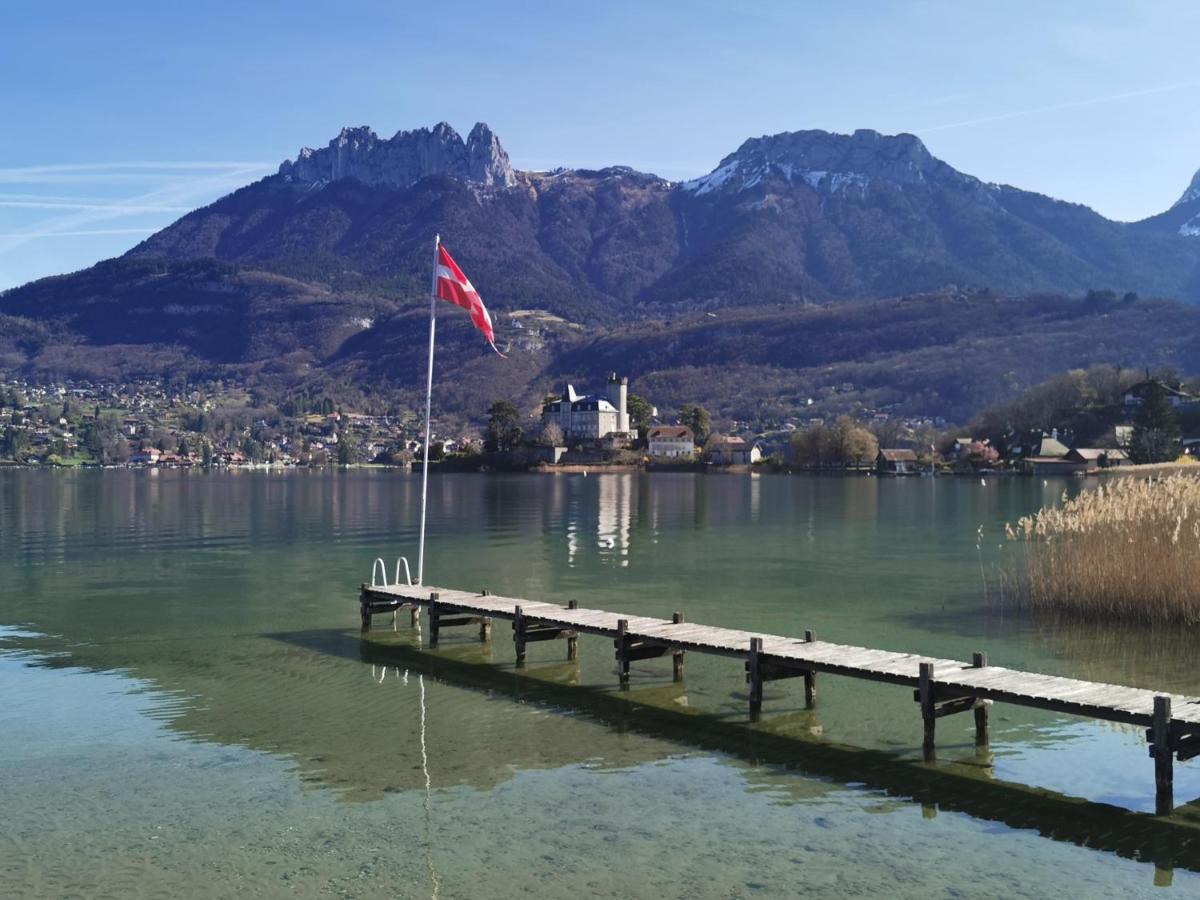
x,y
147,424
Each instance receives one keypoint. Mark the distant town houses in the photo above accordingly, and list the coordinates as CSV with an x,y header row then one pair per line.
x,y
898,461
733,451
149,424
1135,394
972,450
1093,458
147,457
670,442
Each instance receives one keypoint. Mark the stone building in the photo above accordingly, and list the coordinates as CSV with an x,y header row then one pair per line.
x,y
592,417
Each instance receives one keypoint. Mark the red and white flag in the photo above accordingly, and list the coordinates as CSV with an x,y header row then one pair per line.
x,y
455,287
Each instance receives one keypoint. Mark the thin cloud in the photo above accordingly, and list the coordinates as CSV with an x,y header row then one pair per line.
x,y
56,198
134,172
1075,104
145,165
32,235
185,193
125,208
143,177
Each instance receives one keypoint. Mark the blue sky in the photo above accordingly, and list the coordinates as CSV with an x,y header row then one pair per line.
x,y
120,116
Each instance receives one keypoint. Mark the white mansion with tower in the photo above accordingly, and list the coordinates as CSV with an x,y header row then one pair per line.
x,y
592,417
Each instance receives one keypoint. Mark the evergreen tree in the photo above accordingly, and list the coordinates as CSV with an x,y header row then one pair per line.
x,y
1155,428
504,430
16,442
639,414
697,419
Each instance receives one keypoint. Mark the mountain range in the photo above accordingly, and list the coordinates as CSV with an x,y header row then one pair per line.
x,y
316,271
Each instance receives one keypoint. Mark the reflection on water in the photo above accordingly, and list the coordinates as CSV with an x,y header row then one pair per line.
x,y
1142,655
615,512
185,696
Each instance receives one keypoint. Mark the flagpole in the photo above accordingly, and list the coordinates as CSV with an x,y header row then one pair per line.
x,y
437,240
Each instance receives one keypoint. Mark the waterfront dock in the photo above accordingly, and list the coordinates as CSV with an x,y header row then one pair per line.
x,y
942,687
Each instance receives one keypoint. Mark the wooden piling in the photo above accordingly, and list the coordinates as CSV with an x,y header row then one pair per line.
x,y
810,678
979,661
928,712
622,645
485,624
435,618
754,676
519,626
677,656
1160,749
573,638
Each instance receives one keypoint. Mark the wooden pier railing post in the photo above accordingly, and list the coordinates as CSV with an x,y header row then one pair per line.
x,y
928,712
622,645
755,676
485,623
677,656
810,678
979,661
573,637
435,617
519,626
1160,737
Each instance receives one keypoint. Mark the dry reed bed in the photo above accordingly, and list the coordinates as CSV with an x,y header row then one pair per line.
x,y
1128,550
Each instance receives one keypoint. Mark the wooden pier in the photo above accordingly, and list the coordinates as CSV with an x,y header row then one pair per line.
x,y
942,686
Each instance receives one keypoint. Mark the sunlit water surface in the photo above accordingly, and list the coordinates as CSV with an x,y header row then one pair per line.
x,y
187,706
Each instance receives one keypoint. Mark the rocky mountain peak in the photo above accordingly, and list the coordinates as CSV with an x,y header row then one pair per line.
x,y
486,160
1192,192
829,162
1184,213
405,158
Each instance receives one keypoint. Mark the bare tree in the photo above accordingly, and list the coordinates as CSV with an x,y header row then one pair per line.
x,y
552,435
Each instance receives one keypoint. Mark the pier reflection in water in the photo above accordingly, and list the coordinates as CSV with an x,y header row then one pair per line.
x,y
188,668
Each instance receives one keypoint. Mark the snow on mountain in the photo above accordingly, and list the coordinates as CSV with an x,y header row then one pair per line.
x,y
1192,193
829,163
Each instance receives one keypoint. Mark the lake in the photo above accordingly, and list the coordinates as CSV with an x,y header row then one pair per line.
x,y
187,705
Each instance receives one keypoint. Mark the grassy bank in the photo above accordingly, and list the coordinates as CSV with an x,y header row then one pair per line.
x,y
1189,467
1128,550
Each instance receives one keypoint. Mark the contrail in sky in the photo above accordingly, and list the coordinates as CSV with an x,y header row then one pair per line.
x,y
1074,104
29,235
72,204
19,173
219,179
